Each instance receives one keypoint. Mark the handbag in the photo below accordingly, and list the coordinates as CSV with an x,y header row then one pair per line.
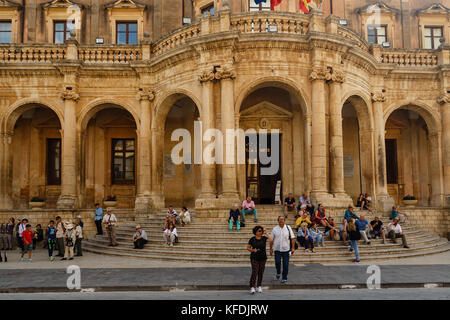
x,y
290,239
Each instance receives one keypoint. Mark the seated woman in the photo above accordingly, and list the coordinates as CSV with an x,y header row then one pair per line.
x,y
320,216
317,234
302,218
330,230
234,218
360,201
185,217
304,237
139,238
170,234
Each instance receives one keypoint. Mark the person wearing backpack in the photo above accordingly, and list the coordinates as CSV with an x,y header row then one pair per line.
x,y
70,238
354,236
284,245
51,239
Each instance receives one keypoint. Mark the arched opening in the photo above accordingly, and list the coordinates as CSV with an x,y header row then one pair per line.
x,y
273,106
35,155
357,148
109,153
411,163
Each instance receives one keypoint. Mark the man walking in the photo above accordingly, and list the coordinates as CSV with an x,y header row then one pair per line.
x,y
98,218
60,232
283,244
109,220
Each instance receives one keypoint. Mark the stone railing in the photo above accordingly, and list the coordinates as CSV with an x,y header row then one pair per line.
x,y
176,39
352,35
109,54
405,58
270,22
32,53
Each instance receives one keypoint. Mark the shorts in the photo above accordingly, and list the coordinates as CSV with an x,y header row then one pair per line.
x,y
27,247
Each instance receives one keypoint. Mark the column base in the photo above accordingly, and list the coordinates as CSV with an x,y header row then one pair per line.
x,y
384,203
206,200
228,200
6,203
66,202
342,200
158,201
324,198
143,204
447,201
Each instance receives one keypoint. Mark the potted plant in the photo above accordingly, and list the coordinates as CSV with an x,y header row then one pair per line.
x,y
36,203
110,201
409,201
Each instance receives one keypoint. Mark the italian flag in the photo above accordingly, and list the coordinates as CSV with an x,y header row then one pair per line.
x,y
304,5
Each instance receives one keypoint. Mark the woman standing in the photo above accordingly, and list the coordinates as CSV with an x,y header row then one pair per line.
x,y
258,257
354,235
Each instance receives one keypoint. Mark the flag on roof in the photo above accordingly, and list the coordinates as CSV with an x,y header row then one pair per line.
x,y
304,6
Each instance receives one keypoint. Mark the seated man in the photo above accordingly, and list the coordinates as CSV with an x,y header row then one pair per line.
x,y
172,216
234,218
304,199
394,231
289,203
349,214
139,238
361,224
396,214
185,216
330,229
377,229
248,207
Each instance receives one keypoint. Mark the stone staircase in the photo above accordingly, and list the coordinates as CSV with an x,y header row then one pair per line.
x,y
211,242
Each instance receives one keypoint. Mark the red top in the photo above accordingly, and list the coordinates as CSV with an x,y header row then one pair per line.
x,y
27,237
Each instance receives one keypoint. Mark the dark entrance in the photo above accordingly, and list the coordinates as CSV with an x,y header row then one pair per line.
x,y
391,161
261,185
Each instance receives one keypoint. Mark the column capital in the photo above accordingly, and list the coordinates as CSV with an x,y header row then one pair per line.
x,y
338,76
378,97
320,73
206,76
223,73
146,94
70,94
444,97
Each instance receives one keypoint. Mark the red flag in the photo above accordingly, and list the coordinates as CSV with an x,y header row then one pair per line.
x,y
274,3
304,5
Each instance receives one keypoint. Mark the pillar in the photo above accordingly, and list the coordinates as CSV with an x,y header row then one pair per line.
x,y
444,101
68,197
157,193
143,199
5,171
384,201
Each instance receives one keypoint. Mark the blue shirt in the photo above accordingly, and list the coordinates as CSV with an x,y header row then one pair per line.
x,y
51,233
306,201
361,224
349,215
98,214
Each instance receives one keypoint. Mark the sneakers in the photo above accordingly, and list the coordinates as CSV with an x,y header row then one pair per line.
x,y
171,244
406,247
312,250
306,251
30,260
284,281
71,258
252,290
21,259
355,261
63,259
259,290
277,277
350,249
52,258
368,243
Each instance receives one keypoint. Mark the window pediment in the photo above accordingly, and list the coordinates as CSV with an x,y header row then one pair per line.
x,y
123,4
265,110
379,7
61,4
9,4
435,8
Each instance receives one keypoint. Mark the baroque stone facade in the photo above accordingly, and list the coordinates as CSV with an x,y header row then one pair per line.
x,y
338,103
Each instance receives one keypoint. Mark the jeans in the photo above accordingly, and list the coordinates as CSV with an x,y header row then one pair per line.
x,y
252,211
51,247
257,272
233,221
98,224
285,256
139,243
354,246
394,236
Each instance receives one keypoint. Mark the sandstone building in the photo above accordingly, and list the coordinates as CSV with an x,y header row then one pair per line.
x,y
91,91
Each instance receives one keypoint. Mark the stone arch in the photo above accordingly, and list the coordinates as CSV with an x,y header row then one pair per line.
x,y
165,102
363,106
96,105
279,82
15,110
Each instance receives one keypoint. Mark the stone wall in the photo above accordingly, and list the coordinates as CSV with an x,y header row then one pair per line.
x,y
430,219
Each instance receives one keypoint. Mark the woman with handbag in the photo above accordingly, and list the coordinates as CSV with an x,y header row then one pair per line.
x,y
354,236
258,257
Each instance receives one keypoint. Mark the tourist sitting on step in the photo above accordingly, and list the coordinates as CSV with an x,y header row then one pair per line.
x,y
170,234
320,216
394,231
248,207
289,203
397,214
305,200
317,235
377,229
305,237
234,218
363,227
185,216
139,238
303,218
330,229
171,216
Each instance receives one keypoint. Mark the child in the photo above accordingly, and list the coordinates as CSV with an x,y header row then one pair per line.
x,y
79,238
70,238
27,238
51,239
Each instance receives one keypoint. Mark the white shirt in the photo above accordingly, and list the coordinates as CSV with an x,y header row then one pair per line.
x,y
143,234
22,228
397,228
79,232
280,237
110,219
174,232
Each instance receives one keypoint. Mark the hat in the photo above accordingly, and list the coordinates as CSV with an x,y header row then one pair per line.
x,y
108,209
70,226
138,227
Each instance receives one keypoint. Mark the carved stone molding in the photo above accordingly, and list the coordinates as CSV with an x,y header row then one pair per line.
x,y
320,73
338,76
206,76
443,98
378,97
146,94
68,94
224,73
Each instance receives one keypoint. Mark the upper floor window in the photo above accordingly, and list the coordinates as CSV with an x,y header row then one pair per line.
x,y
376,34
123,154
432,37
261,6
5,31
61,31
209,8
127,33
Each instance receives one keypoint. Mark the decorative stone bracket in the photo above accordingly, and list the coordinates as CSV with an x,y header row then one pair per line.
x,y
217,74
378,97
68,94
444,97
146,94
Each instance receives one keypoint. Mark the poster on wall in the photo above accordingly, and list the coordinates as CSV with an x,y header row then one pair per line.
x,y
278,192
348,166
170,170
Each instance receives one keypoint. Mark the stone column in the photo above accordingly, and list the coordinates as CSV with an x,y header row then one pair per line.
x,y
68,197
444,101
384,201
5,171
229,185
319,190
143,199
208,171
157,193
